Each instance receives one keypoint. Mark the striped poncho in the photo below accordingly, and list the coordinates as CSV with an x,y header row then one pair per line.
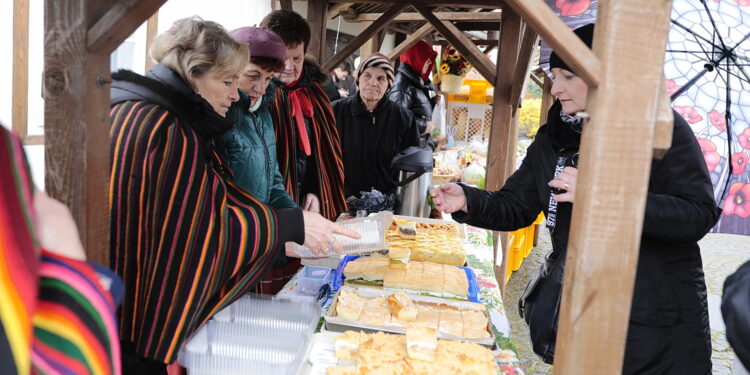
x,y
55,315
185,239
325,162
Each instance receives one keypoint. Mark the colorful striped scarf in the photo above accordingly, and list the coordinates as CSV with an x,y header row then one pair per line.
x,y
186,241
59,300
325,159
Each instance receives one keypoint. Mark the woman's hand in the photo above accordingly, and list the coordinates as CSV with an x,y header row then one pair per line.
x,y
566,180
311,203
56,229
319,234
449,198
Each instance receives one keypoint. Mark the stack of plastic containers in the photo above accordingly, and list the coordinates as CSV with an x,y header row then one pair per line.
x,y
254,335
371,229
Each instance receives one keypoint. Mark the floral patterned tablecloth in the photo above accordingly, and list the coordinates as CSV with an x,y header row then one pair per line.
x,y
479,251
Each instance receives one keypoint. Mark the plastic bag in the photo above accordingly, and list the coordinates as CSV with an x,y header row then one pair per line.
x,y
439,119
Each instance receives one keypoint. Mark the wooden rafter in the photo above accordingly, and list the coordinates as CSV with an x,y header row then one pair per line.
x,y
528,43
418,35
611,187
118,23
553,30
536,80
443,16
664,124
480,42
20,93
492,4
365,35
461,42
335,9
152,25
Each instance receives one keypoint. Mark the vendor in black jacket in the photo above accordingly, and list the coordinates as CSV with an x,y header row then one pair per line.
x,y
373,129
412,85
668,331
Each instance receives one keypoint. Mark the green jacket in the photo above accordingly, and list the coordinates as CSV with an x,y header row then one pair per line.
x,y
250,149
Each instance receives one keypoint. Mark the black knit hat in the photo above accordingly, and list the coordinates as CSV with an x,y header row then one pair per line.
x,y
586,34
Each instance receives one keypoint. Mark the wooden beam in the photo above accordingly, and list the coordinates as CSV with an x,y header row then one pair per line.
x,y
152,25
420,34
491,43
528,44
664,124
477,26
462,43
20,93
504,130
33,140
118,23
611,188
281,4
536,80
483,4
363,36
317,18
553,30
76,118
335,9
400,28
443,16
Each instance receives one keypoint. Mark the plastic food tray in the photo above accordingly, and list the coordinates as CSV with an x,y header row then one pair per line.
x,y
371,229
252,336
473,292
337,324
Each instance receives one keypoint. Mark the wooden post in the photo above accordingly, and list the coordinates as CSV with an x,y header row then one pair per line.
x,y
20,93
281,4
152,27
521,75
547,100
502,134
317,11
607,220
77,45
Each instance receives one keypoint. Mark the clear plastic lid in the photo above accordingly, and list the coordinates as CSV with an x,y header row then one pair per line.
x,y
252,336
372,230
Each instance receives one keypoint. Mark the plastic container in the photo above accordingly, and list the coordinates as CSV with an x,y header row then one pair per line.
x,y
310,279
252,336
371,229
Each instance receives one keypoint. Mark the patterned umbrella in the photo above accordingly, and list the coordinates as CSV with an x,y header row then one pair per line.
x,y
707,68
707,71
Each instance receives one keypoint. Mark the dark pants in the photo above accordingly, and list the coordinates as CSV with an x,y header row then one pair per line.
x,y
133,363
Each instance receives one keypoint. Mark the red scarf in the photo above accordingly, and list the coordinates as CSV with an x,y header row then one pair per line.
x,y
301,108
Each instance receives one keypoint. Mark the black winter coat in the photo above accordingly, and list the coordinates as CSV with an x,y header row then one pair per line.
x,y
669,330
370,140
411,92
735,308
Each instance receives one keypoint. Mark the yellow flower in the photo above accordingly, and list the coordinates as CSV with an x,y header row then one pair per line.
x,y
444,68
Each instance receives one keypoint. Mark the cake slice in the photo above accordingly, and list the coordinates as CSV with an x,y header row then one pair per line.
x,y
407,229
394,278
347,345
399,257
427,317
421,343
402,307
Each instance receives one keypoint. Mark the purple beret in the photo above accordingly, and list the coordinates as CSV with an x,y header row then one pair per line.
x,y
262,43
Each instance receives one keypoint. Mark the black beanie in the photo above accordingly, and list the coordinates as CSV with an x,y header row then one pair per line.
x,y
586,34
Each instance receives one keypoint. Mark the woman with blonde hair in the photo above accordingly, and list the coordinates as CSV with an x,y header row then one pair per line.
x,y
186,240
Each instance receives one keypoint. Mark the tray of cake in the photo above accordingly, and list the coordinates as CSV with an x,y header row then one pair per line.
x,y
372,310
418,352
426,278
428,240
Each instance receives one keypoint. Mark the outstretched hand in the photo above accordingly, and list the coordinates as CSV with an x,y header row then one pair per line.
x,y
449,198
319,234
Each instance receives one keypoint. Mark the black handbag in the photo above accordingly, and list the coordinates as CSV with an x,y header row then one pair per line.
x,y
539,305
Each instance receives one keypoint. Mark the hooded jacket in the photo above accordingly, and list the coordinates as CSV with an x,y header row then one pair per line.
x,y
668,331
186,240
413,94
250,150
370,140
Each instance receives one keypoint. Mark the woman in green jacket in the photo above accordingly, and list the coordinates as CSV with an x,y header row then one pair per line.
x,y
250,146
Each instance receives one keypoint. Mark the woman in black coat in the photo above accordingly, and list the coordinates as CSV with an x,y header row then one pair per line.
x,y
668,331
373,130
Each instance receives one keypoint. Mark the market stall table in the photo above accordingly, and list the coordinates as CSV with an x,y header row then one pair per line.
x,y
479,251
